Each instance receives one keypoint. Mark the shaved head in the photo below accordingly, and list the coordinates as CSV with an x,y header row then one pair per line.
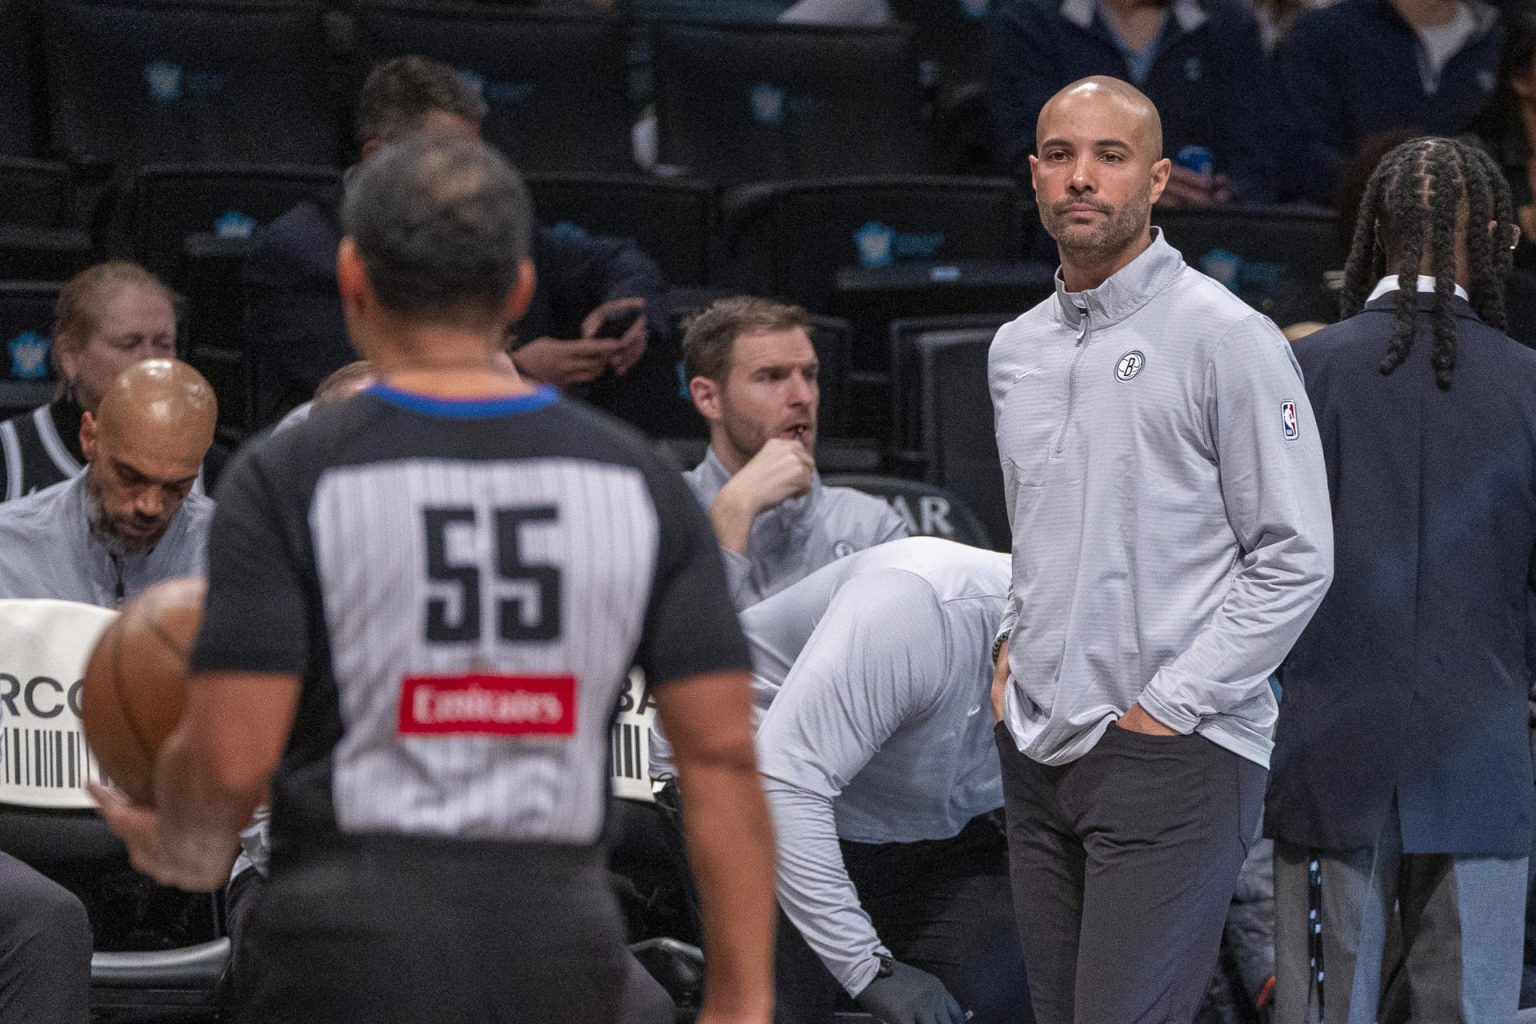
x,y
1098,168
145,444
159,397
1142,119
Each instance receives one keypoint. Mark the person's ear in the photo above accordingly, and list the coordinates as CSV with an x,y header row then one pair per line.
x,y
68,357
1034,166
369,148
521,294
352,278
706,397
88,431
1160,173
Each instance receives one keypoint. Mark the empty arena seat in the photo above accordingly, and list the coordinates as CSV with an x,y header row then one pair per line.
x,y
737,103
18,80
671,221
44,254
26,329
928,509
134,82
889,234
735,11
557,86
171,203
906,335
35,193
959,446
950,36
1273,258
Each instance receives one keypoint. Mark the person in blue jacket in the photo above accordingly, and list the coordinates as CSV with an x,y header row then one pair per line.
x,y
1200,61
1401,762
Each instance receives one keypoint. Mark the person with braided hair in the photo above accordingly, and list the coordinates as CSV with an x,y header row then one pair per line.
x,y
1401,767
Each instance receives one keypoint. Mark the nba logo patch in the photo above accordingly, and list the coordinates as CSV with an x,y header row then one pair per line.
x,y
1288,421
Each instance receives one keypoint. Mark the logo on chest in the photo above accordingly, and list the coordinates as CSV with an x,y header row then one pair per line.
x,y
487,705
1129,365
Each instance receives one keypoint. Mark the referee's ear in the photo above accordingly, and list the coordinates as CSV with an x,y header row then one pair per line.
x,y
522,292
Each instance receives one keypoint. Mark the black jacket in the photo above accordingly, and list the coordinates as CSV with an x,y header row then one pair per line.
x,y
1411,680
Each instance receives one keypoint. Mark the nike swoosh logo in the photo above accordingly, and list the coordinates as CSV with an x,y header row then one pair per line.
x,y
1020,376
975,710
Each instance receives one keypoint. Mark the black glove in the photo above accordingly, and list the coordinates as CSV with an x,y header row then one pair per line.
x,y
910,996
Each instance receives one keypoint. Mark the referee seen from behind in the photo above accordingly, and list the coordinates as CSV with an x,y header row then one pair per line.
x,y
421,604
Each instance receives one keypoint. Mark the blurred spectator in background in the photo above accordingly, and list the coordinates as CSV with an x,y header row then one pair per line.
x,y
596,325
1276,17
1362,67
1201,63
108,317
751,370
1506,126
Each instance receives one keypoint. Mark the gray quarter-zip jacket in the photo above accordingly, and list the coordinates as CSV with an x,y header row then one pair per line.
x,y
1171,525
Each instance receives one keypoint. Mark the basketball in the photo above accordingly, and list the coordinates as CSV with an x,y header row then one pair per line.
x,y
135,682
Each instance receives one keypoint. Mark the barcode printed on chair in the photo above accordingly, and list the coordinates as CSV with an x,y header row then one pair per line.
x,y
46,759
628,752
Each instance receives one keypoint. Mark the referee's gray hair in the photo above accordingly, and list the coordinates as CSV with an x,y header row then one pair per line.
x,y
441,225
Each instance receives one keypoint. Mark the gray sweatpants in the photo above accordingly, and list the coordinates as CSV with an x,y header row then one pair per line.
x,y
45,949
1123,864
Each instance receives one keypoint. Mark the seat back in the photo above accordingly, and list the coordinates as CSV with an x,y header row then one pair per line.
x,y
1273,258
134,82
18,80
906,379
951,37
172,202
671,221
44,647
35,193
958,439
557,86
739,103
26,327
928,509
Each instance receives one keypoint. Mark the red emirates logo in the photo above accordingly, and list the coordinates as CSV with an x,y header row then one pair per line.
x,y
488,705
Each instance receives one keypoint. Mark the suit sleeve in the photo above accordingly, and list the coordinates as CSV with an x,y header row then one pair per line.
x,y
1276,493
872,663
293,318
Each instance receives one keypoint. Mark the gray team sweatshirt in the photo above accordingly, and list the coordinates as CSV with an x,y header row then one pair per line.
x,y
1171,525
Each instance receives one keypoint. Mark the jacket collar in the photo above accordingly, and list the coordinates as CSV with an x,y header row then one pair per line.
x,y
1127,290
1187,14
1486,14
1388,303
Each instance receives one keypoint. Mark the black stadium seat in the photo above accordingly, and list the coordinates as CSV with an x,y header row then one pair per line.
x,y
958,441
906,376
950,35
557,86
671,221
151,81
18,80
26,329
1273,258
35,193
170,203
738,103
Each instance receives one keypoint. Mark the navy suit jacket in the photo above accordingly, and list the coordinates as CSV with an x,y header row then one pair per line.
x,y
1411,680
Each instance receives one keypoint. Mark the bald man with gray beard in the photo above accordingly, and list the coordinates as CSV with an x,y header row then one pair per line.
x,y
131,519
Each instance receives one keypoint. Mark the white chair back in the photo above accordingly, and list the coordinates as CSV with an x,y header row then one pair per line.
x,y
44,647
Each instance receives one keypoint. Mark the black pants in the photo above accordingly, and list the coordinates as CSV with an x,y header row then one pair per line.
x,y
395,931
45,949
942,906
1123,865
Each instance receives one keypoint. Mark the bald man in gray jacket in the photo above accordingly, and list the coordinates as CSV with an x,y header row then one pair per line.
x,y
1171,538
